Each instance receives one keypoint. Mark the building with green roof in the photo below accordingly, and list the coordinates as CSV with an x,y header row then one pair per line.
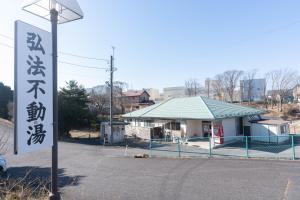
x,y
191,117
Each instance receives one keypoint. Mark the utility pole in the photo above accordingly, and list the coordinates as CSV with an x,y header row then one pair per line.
x,y
111,94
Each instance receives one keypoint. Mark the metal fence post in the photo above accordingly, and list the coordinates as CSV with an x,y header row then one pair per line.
x,y
293,148
178,148
209,139
150,147
247,152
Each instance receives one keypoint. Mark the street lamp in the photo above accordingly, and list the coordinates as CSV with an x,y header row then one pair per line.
x,y
68,10
58,12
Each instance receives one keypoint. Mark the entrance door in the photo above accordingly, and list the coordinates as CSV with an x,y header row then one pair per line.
x,y
206,126
157,133
247,131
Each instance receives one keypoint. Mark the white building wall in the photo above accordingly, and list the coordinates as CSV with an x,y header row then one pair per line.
x,y
118,132
194,128
260,132
229,128
139,132
267,133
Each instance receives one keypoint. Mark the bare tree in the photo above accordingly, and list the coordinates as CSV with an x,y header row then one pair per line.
x,y
265,95
208,87
286,80
119,89
283,81
218,87
296,92
192,87
272,77
230,81
100,102
248,84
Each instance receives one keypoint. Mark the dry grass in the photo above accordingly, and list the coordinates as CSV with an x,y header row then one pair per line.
x,y
84,134
288,112
20,189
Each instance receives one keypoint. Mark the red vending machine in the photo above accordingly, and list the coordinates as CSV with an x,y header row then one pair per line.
x,y
218,134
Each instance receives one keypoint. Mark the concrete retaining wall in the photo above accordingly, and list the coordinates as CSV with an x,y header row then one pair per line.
x,y
140,132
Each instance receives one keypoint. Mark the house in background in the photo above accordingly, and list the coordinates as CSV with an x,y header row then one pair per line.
x,y
296,93
190,117
135,99
154,94
275,95
253,90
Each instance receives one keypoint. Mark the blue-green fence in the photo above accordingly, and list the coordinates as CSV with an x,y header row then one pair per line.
x,y
272,147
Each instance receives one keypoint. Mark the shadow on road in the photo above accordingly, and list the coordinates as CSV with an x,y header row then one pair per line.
x,y
259,146
29,173
87,141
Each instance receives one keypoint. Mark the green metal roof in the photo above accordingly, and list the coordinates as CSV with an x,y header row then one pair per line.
x,y
193,108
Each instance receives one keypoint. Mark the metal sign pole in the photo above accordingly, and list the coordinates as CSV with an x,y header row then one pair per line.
x,y
54,187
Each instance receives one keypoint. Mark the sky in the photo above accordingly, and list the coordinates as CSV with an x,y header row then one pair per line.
x,y
162,43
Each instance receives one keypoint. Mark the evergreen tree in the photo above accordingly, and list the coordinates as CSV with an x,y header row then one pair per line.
x,y
6,96
73,107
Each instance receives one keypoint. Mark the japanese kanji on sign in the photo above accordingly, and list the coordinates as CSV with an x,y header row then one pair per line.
x,y
33,88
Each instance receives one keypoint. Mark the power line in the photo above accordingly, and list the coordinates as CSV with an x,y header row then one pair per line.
x,y
64,62
6,36
85,57
75,74
83,66
6,45
66,53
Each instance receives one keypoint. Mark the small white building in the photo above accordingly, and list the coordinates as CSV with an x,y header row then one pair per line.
x,y
267,130
118,130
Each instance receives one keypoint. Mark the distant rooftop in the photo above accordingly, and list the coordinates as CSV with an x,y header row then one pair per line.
x,y
270,121
134,93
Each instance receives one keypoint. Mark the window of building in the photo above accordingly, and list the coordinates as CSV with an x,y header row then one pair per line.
x,y
173,126
148,123
283,129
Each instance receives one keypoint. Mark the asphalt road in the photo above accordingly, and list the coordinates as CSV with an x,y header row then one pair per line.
x,y
91,172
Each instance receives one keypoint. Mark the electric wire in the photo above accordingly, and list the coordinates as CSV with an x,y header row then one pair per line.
x,y
83,66
62,52
65,62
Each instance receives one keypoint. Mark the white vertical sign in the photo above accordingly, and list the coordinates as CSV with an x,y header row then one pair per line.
x,y
33,88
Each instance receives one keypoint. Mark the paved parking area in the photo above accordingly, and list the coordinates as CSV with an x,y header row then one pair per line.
x,y
91,172
96,172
